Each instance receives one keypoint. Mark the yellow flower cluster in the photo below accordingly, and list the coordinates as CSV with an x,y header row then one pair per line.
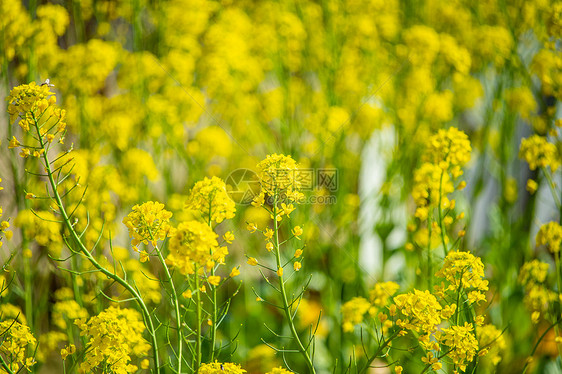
x,y
424,312
29,100
49,343
36,105
449,149
12,312
14,345
67,310
538,297
446,153
546,65
381,293
550,235
66,351
538,152
353,311
491,339
279,175
221,368
115,335
465,273
209,197
102,58
379,297
420,310
431,185
194,244
148,222
462,344
533,272
137,164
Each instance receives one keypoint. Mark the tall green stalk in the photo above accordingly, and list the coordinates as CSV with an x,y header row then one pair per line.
x,y
198,314
176,306
286,307
82,248
214,299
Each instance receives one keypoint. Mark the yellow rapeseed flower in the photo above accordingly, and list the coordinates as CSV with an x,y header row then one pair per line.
x,y
450,149
193,243
220,368
214,280
148,222
462,344
279,174
209,197
539,153
550,235
353,312
17,343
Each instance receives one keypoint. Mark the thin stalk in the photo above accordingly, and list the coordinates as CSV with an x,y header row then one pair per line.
x,y
28,292
88,255
552,188
538,342
213,319
5,365
75,286
429,267
198,328
445,249
176,306
378,352
438,358
214,298
286,308
457,312
557,328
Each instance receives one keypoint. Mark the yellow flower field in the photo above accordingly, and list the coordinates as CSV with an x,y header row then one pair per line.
x,y
268,187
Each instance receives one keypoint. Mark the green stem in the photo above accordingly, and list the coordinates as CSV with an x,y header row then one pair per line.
x,y
75,286
552,188
378,352
538,342
88,255
429,267
198,327
557,261
214,319
176,306
214,298
445,249
5,366
557,328
79,28
438,358
457,312
286,307
28,292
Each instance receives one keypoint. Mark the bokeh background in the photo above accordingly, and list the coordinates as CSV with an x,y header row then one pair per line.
x,y
160,94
